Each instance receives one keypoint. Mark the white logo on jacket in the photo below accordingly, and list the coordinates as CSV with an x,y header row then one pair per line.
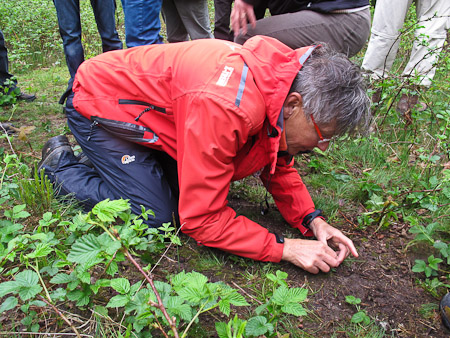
x,y
225,76
127,159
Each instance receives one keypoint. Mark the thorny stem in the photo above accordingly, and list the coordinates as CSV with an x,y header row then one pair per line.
x,y
159,305
62,316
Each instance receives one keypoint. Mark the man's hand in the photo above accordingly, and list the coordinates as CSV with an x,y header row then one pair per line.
x,y
328,251
332,237
240,15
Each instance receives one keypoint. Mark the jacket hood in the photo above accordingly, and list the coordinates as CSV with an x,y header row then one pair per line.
x,y
274,66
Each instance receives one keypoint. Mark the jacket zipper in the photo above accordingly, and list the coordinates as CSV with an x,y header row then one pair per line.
x,y
142,103
93,124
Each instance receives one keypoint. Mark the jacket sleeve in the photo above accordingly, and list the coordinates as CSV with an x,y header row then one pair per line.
x,y
289,193
207,145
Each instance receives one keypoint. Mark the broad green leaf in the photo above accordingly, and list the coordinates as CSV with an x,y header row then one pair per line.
x,y
28,282
108,210
191,294
358,317
63,278
221,329
8,287
281,295
118,301
177,307
42,250
9,303
237,299
258,326
84,249
294,309
297,295
224,307
121,285
112,269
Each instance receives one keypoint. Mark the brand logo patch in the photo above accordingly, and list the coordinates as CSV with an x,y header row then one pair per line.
x,y
127,159
225,76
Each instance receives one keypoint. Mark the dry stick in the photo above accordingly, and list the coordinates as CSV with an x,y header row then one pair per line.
x,y
160,305
249,295
7,137
61,315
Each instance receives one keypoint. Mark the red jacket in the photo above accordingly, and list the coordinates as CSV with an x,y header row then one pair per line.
x,y
214,106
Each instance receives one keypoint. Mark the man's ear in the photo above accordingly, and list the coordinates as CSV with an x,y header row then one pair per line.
x,y
292,104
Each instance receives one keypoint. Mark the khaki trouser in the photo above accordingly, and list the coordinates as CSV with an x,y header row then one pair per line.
x,y
384,42
345,32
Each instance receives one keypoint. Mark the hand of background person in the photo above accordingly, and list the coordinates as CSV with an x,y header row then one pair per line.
x,y
328,251
241,14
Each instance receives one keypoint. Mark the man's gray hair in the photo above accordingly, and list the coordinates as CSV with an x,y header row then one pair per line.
x,y
333,89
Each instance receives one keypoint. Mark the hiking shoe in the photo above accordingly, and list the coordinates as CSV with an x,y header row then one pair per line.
x,y
52,151
444,309
26,97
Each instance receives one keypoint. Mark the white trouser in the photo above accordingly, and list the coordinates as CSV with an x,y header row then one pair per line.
x,y
388,19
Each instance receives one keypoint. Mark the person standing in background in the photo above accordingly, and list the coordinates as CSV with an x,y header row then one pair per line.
x,y
344,25
186,19
142,23
8,83
68,13
388,20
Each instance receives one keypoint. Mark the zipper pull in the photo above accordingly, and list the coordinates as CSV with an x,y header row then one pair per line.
x,y
93,124
143,112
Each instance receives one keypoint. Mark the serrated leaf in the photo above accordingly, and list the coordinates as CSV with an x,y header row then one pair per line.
x,y
258,326
112,269
118,301
237,299
9,303
297,295
63,278
8,287
281,295
294,309
177,307
84,249
108,210
28,284
121,285
222,329
224,307
191,294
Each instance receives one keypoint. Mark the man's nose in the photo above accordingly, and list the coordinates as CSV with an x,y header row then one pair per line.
x,y
323,145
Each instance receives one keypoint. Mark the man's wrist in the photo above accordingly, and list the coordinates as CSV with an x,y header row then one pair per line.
x,y
310,217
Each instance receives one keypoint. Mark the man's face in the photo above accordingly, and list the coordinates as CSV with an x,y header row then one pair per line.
x,y
301,134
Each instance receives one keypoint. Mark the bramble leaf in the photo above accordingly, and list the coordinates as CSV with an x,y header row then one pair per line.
x,y
121,285
84,249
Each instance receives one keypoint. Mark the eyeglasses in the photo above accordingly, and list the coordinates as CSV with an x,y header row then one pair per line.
x,y
322,139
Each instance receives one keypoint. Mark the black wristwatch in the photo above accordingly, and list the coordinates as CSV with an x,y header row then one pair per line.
x,y
310,217
279,238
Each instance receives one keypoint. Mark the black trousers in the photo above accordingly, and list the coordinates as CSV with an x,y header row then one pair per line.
x,y
122,169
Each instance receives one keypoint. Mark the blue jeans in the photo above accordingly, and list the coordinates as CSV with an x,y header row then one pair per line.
x,y
68,12
4,74
142,24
